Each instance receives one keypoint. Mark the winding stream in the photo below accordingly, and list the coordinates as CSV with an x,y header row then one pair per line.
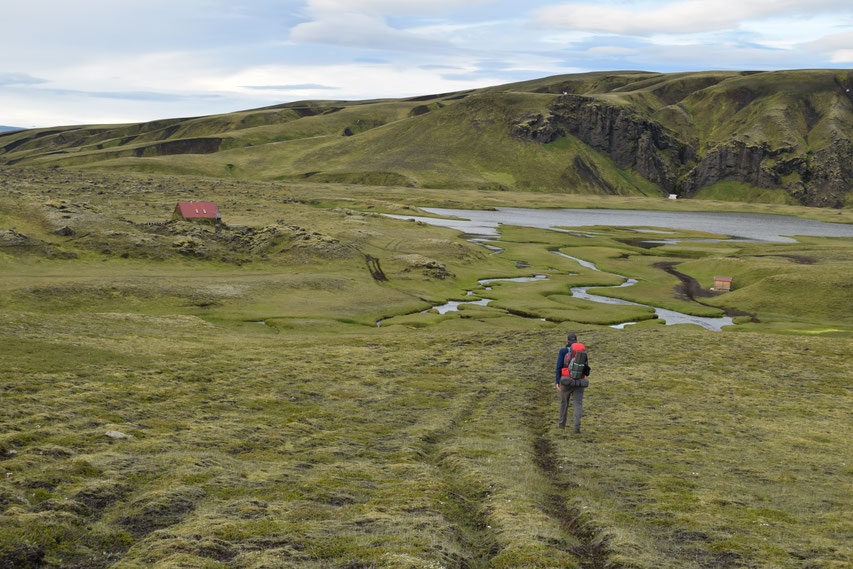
x,y
668,316
482,225
453,305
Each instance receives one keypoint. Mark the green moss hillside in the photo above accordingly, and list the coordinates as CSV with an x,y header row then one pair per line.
x,y
780,137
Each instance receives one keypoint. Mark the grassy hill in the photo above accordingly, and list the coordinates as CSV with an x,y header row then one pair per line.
x,y
781,137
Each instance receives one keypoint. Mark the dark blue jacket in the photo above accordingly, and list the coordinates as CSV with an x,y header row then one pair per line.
x,y
561,361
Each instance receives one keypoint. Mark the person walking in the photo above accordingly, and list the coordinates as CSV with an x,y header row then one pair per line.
x,y
569,388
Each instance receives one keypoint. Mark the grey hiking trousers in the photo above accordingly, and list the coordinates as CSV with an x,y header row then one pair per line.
x,y
565,393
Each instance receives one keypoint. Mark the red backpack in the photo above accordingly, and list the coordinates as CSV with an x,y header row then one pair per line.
x,y
575,367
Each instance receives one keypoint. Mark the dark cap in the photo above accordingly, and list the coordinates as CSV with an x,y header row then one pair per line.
x,y
572,338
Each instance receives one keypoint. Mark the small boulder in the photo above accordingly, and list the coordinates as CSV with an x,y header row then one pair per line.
x,y
118,435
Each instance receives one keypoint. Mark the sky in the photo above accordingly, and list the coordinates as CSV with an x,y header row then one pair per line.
x,y
117,61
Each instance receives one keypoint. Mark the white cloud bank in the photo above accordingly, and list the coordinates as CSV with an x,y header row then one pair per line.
x,y
364,24
693,16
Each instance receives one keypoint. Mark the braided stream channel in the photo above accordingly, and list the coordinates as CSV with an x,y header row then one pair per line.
x,y
669,317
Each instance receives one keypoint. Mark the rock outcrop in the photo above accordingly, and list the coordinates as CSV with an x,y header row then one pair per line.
x,y
620,132
829,175
428,267
634,141
739,162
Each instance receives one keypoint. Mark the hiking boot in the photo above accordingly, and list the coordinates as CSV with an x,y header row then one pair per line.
x,y
577,430
559,426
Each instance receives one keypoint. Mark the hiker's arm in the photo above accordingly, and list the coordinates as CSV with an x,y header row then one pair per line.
x,y
560,357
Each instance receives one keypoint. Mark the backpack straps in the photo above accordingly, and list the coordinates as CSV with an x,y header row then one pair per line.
x,y
570,353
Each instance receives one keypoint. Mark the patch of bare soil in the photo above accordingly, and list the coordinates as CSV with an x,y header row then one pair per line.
x,y
155,510
689,289
799,259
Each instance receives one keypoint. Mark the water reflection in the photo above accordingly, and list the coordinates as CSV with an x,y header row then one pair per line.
x,y
742,226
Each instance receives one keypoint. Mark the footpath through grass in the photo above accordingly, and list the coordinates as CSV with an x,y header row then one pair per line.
x,y
431,448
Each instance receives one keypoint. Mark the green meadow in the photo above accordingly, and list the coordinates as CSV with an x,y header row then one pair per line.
x,y
278,393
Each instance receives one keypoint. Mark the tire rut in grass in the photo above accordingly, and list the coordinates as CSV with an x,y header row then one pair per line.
x,y
592,551
465,504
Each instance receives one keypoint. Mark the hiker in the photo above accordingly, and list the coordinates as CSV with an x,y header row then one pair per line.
x,y
569,386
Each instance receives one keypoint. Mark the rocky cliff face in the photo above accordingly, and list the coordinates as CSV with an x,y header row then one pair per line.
x,y
821,179
740,162
634,141
631,140
830,175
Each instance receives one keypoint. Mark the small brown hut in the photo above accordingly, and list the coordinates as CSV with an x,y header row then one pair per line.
x,y
722,283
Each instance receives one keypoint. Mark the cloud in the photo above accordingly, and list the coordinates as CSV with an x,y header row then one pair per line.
x,y
12,79
446,28
833,42
44,107
152,96
836,47
362,31
842,56
365,24
297,87
389,7
356,81
689,16
35,85
434,67
610,50
148,95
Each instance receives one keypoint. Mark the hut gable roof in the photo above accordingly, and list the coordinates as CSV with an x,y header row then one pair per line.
x,y
190,210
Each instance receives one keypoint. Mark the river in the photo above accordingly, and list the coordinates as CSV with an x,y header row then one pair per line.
x,y
740,226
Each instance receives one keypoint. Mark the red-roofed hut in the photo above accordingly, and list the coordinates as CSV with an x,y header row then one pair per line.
x,y
197,210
